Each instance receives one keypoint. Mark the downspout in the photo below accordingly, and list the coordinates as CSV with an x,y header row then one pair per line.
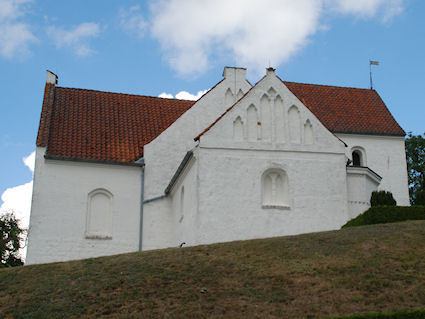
x,y
142,186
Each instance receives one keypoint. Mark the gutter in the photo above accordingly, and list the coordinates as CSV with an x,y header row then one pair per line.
x,y
141,163
173,180
138,163
176,175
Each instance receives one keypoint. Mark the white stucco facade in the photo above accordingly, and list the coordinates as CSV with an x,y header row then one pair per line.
x,y
58,223
263,166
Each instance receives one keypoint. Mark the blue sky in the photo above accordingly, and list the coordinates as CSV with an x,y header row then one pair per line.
x,y
169,46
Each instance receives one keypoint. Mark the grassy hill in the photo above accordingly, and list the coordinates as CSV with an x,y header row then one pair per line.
x,y
356,270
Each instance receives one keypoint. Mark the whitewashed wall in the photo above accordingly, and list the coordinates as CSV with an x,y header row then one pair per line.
x,y
360,185
230,194
164,154
231,168
164,225
158,225
386,156
58,217
185,209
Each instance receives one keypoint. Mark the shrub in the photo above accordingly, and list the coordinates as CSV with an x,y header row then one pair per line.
x,y
387,214
382,198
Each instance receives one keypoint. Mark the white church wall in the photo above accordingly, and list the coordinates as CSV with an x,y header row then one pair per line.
x,y
172,220
231,171
164,154
360,185
185,205
386,156
158,224
231,205
59,224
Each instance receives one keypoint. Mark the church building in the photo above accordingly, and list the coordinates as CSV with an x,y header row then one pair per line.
x,y
119,173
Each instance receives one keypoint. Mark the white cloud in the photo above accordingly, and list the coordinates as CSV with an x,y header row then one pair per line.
x,y
183,95
29,161
76,38
255,34
15,36
18,199
166,95
386,9
132,21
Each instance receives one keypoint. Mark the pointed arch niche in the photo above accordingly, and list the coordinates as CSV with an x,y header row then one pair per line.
x,y
266,118
238,129
240,94
294,119
279,120
275,189
252,123
308,133
229,97
99,214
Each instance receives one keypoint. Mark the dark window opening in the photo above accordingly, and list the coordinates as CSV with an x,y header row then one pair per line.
x,y
357,158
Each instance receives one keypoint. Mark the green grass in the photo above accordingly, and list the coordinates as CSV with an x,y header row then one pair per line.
x,y
387,214
368,269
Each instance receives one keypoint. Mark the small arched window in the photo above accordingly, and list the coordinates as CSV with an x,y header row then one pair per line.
x,y
358,156
99,214
275,189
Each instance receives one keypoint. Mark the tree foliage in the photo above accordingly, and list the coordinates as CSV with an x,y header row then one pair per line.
x,y
11,236
382,198
415,155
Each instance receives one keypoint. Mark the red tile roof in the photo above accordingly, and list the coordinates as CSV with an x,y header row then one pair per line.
x,y
114,127
347,110
105,126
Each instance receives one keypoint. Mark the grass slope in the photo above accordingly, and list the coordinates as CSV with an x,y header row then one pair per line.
x,y
377,268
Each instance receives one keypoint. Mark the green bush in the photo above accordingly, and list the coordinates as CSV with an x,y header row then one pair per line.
x,y
382,198
417,314
387,214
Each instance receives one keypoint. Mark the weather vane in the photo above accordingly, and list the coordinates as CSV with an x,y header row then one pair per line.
x,y
370,71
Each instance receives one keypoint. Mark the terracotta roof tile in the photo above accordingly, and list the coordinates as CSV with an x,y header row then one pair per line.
x,y
105,126
347,110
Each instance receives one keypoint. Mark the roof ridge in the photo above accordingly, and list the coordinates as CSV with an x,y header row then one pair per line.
x,y
327,85
126,94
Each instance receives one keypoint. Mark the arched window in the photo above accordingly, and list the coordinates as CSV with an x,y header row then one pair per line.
x,y
275,189
358,156
99,214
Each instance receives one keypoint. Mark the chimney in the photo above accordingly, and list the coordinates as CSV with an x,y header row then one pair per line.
x,y
270,71
51,78
233,73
